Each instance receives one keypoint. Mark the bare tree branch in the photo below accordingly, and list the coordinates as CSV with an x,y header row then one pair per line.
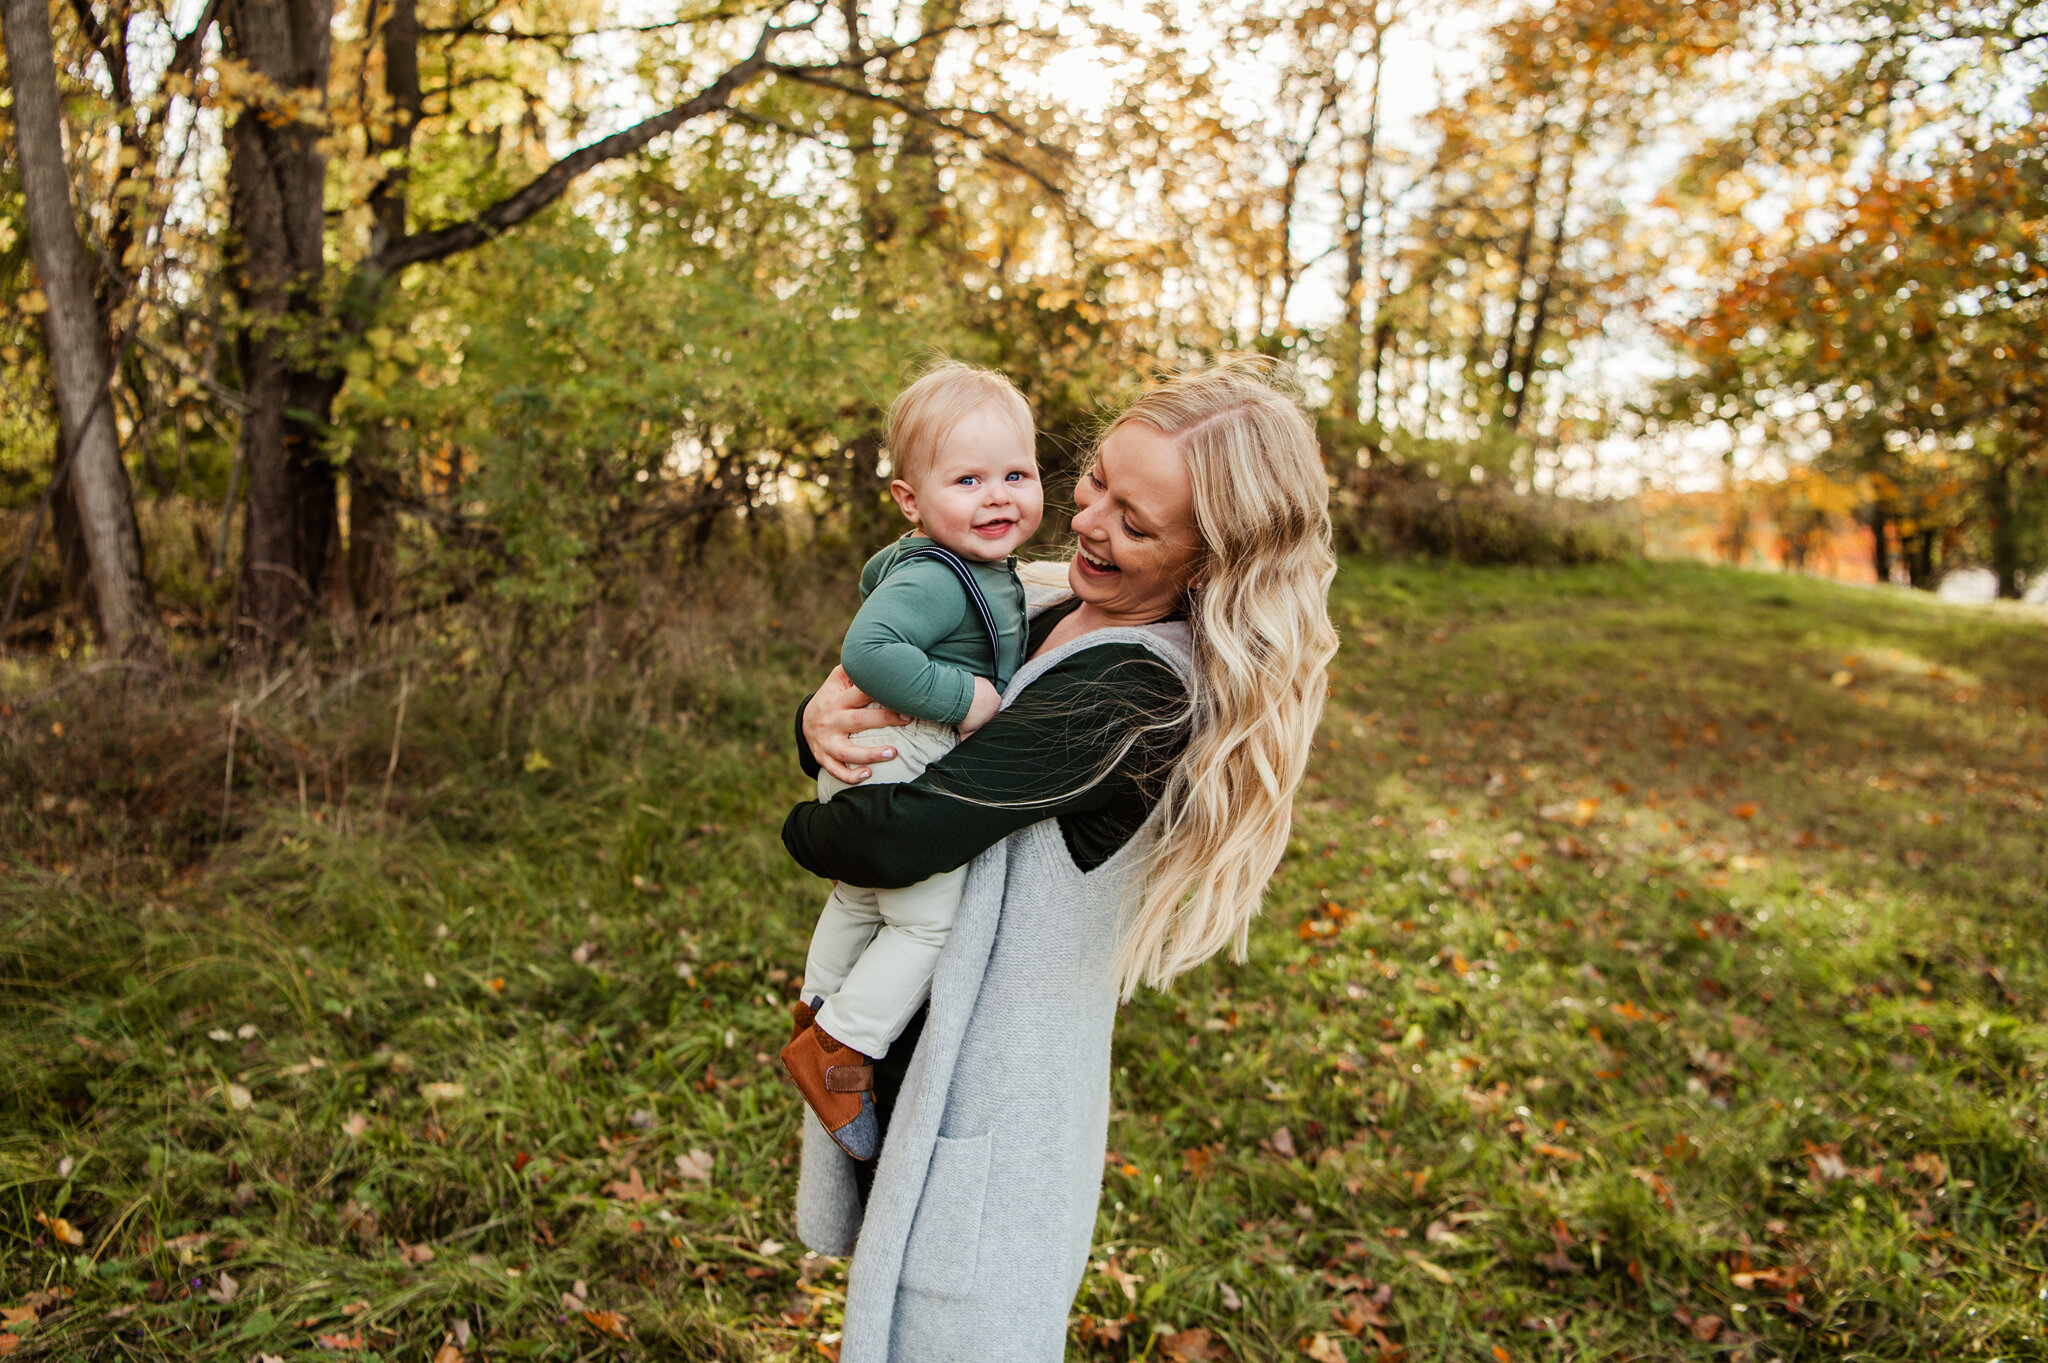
x,y
551,183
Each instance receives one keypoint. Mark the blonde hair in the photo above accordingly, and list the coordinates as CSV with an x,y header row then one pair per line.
x,y
1260,622
924,414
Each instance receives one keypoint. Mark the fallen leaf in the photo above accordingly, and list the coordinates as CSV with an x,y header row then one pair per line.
x,y
1282,1143
1929,1166
1122,1277
1546,1149
448,1353
694,1167
1193,1345
770,1248
1705,1328
1322,1349
64,1231
340,1343
8,1344
239,1098
607,1323
439,1093
421,1253
225,1289
359,1219
630,1189
582,952
1502,1355
11,1316
1231,1301
1826,1162
353,1309
356,1124
1746,810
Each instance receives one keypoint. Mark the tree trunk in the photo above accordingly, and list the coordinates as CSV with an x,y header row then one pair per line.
x,y
95,480
1880,544
372,531
1918,551
276,175
2005,534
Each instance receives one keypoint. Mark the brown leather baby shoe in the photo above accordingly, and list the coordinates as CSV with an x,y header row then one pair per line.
x,y
836,1081
801,1016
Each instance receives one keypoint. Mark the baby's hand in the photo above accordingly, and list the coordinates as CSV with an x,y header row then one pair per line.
x,y
987,701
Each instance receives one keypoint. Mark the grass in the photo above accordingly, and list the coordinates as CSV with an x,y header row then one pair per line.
x,y
1657,972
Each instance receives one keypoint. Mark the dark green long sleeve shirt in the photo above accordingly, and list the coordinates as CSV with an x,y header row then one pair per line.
x,y
917,643
1089,743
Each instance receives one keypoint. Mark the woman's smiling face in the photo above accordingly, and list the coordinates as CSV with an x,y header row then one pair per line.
x,y
1135,526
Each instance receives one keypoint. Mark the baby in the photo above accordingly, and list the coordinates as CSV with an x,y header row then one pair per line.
x,y
939,634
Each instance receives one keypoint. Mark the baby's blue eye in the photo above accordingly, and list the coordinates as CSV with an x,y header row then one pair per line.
x,y
969,480
1015,477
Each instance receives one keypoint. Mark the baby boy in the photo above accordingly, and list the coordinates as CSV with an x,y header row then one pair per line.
x,y
939,634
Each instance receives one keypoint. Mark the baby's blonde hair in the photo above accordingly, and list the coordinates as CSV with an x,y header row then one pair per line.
x,y
924,414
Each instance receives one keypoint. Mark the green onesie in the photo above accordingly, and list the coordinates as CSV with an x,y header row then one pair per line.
x,y
918,643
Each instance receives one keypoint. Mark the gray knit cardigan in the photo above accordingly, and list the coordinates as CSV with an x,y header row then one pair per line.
x,y
983,1206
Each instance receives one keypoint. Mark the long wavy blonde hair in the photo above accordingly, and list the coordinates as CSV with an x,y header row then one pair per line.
x,y
1259,615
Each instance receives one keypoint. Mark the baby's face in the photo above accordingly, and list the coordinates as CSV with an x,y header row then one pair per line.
x,y
981,497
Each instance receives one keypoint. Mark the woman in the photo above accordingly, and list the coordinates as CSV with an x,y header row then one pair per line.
x,y
1121,817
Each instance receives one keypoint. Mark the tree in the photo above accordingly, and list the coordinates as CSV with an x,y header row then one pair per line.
x,y
88,471
1896,320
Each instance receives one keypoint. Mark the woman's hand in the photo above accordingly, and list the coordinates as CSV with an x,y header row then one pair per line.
x,y
834,715
988,703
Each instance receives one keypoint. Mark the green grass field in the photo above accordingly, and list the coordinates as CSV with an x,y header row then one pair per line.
x,y
1658,972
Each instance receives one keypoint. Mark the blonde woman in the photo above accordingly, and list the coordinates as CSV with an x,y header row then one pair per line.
x,y
1120,819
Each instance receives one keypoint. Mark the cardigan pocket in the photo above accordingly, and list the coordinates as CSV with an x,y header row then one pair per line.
x,y
945,1236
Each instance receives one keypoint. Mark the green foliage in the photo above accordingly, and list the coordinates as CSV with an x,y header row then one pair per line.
x,y
1656,947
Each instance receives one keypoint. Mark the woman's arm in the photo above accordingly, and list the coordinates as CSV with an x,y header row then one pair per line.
x,y
1063,747
827,722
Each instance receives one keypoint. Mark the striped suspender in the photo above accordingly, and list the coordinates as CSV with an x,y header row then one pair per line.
x,y
966,576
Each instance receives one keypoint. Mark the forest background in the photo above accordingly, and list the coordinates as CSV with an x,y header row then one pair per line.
x,y
324,312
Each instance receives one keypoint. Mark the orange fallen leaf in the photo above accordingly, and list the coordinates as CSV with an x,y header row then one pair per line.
x,y
8,1344
340,1343
1503,1355
609,1323
1557,1152
448,1353
1746,810
64,1231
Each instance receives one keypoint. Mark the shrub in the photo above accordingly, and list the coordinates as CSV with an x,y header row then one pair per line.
x,y
1401,511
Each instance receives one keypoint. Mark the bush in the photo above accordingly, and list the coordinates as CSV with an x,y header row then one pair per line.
x,y
1401,511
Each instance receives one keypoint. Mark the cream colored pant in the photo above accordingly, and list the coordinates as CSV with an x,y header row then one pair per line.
x,y
873,952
